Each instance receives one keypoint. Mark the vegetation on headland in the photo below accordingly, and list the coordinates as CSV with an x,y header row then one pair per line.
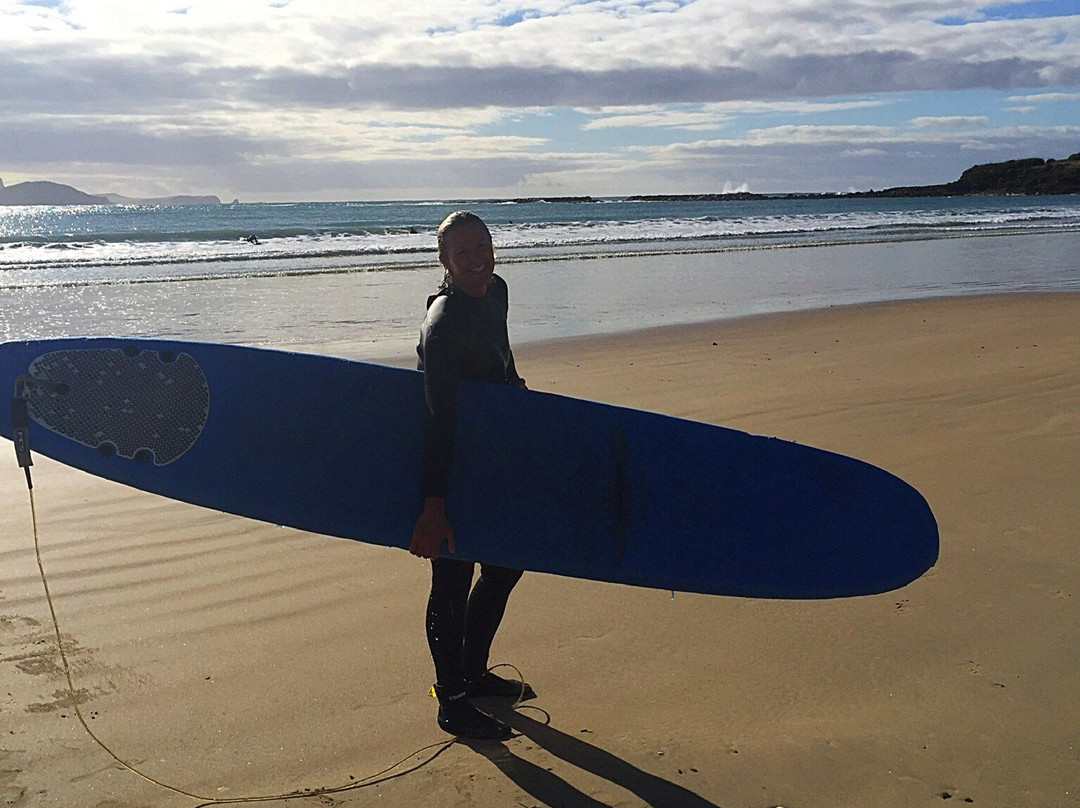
x,y
53,193
1031,176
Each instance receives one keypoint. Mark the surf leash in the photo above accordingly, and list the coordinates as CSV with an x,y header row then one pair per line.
x,y
20,434
21,437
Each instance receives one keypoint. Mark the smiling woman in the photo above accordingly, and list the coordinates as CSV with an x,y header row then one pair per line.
x,y
464,336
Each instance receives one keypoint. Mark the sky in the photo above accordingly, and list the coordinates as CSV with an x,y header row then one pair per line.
x,y
289,100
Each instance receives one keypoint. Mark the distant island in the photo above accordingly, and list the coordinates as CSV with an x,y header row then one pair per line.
x,y
53,193
179,199
524,200
1030,176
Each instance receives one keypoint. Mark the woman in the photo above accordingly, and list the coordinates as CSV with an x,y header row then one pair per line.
x,y
464,336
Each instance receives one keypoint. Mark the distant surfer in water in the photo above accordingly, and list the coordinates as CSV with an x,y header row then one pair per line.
x,y
464,336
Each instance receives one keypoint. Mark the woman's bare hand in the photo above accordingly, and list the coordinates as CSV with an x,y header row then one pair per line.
x,y
431,529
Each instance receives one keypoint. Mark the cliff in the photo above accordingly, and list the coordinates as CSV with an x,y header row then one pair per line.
x,y
46,193
1033,175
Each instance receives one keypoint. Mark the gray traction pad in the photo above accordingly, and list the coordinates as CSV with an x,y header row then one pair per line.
x,y
141,405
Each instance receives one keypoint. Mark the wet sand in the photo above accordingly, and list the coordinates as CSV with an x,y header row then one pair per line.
x,y
231,658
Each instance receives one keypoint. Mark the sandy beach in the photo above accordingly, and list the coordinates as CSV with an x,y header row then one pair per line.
x,y
232,659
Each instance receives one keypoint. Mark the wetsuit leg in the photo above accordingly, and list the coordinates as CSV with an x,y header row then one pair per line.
x,y
446,618
487,604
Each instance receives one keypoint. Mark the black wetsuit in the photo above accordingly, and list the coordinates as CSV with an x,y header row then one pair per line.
x,y
462,337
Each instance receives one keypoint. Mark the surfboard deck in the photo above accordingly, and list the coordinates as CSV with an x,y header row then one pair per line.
x,y
540,481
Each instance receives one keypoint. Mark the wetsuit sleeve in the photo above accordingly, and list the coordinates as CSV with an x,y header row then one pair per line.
x,y
512,376
443,353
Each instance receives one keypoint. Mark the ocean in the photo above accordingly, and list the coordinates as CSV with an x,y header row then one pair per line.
x,y
352,277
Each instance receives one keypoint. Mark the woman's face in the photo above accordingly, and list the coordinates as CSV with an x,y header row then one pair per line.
x,y
470,258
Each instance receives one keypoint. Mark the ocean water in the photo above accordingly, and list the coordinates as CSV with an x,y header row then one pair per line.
x,y
352,278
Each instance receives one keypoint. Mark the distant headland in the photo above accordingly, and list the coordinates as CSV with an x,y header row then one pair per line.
x,y
1030,176
53,193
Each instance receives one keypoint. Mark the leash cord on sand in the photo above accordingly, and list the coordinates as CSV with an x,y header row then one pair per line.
x,y
371,779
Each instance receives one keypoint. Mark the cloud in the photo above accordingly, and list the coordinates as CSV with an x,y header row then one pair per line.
x,y
1043,98
786,135
59,83
947,121
566,53
121,145
509,94
866,137
712,116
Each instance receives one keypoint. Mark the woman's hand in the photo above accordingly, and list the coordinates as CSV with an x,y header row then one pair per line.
x,y
430,530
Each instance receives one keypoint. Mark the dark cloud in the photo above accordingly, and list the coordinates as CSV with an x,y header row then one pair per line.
x,y
63,83
806,77
120,144
59,83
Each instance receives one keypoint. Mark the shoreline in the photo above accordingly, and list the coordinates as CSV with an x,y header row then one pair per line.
x,y
681,330
231,657
756,322
377,315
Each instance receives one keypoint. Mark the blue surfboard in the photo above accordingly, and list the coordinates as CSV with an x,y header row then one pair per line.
x,y
540,481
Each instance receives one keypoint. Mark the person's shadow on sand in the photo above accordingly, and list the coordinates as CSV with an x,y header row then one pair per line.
x,y
550,789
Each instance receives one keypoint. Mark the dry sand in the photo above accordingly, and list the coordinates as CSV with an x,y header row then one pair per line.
x,y
231,658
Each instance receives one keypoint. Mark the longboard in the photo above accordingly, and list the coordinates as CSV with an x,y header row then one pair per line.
x,y
540,481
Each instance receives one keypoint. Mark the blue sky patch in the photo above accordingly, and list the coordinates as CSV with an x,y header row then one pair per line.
x,y
1034,10
514,18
